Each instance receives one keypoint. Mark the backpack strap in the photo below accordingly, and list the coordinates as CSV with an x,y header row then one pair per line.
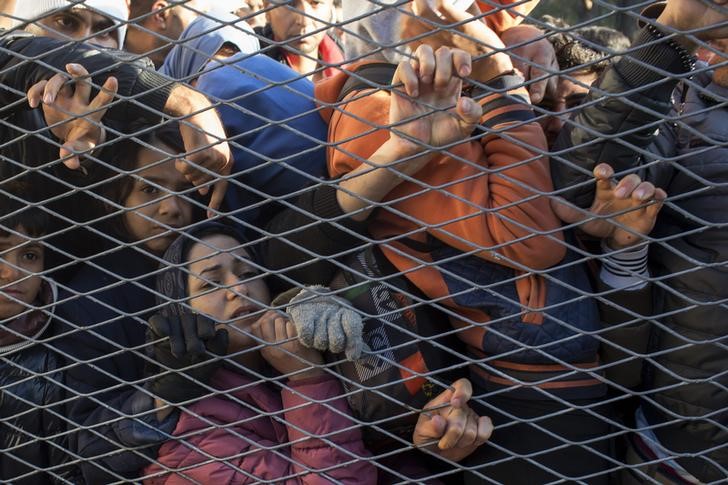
x,y
368,76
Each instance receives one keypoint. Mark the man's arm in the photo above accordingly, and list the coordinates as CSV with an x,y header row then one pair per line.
x,y
623,110
144,95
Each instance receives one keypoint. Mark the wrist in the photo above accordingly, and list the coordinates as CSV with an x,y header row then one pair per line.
x,y
163,409
491,67
667,24
310,373
184,101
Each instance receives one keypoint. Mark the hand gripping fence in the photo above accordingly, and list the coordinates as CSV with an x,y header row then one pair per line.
x,y
524,313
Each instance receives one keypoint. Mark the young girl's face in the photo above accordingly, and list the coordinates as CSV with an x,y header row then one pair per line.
x,y
225,287
156,209
20,257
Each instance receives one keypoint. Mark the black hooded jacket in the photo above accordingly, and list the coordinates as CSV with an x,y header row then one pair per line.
x,y
635,119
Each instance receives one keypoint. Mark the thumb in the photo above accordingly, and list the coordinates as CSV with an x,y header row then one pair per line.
x,y
462,392
67,154
429,429
217,197
537,89
565,211
469,113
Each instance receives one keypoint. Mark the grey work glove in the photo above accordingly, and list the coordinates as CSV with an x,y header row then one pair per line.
x,y
326,323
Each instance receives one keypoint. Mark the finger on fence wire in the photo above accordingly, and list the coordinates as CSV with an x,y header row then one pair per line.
x,y
376,241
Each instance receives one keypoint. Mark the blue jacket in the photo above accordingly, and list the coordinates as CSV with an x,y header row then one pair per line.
x,y
275,132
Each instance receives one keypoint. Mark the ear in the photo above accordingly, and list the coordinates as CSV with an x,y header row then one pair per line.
x,y
160,14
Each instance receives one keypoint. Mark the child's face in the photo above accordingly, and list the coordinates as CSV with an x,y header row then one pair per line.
x,y
225,287
154,202
19,259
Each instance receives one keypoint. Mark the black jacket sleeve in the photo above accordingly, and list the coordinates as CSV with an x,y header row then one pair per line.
x,y
306,238
25,60
618,119
626,331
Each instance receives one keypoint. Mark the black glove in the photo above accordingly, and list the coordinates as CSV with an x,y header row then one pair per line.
x,y
192,342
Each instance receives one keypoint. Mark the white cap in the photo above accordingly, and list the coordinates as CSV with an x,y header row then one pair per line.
x,y
115,10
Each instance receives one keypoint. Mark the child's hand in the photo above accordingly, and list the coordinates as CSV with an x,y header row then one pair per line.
x,y
443,23
72,118
285,353
428,111
448,426
628,209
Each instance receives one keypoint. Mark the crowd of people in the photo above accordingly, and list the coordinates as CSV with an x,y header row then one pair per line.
x,y
361,242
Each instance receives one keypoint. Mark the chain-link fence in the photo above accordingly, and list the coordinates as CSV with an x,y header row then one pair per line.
x,y
368,241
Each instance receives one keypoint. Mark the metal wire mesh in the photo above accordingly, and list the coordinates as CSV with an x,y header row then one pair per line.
x,y
490,255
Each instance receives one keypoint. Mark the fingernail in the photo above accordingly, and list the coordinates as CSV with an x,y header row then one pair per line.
x,y
48,98
415,93
464,71
73,67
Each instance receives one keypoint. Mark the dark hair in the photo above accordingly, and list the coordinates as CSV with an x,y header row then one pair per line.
x,y
593,47
124,157
138,8
16,213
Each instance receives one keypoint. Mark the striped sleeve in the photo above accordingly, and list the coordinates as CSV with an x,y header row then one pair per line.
x,y
504,100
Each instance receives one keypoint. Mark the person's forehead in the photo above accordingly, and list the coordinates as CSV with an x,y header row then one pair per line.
x,y
89,15
219,247
13,240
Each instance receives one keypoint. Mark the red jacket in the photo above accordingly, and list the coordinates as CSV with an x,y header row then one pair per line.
x,y
252,433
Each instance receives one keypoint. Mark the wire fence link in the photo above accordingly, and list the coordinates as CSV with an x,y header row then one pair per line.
x,y
376,241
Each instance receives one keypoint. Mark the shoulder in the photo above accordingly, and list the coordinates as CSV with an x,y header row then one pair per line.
x,y
251,72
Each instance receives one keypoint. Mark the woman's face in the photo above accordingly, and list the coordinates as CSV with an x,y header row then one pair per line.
x,y
157,208
225,287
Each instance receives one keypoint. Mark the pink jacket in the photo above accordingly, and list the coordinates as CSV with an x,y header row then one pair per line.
x,y
303,434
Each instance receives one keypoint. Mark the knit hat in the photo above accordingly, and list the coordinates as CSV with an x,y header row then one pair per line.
x,y
115,10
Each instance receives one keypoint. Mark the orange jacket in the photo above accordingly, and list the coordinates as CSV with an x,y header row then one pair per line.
x,y
485,196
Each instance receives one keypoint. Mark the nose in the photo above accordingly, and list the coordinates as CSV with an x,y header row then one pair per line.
x,y
237,289
8,272
170,206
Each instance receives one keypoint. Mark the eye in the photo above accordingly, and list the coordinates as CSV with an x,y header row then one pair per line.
x,y
31,256
575,100
105,36
66,22
149,189
248,275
